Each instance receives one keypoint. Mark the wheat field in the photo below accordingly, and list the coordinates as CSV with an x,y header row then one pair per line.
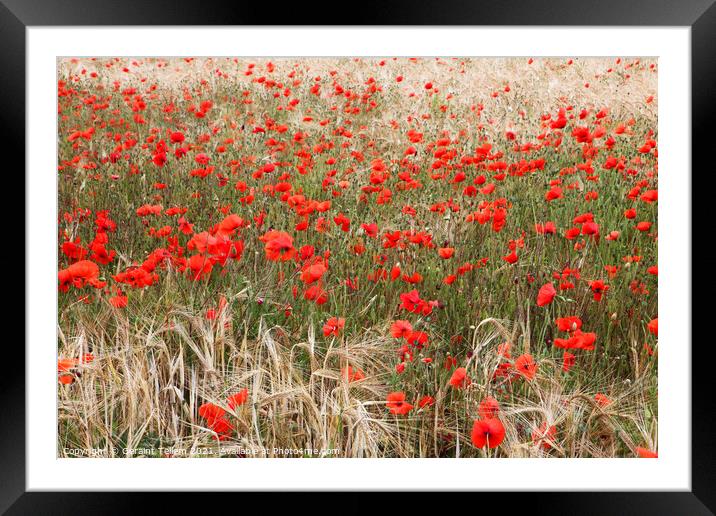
x,y
357,257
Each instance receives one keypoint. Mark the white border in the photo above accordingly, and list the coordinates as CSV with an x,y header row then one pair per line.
x,y
671,471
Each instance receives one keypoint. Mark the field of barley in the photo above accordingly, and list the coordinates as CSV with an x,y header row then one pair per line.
x,y
357,257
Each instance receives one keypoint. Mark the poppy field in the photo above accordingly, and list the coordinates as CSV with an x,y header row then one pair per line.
x,y
357,257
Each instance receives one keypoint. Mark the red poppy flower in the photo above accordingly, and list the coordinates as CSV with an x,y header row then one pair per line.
x,y
65,366
543,435
352,374
490,432
119,301
546,294
526,366
417,339
79,274
237,399
554,193
510,258
371,230
397,405
211,411
459,378
401,329
278,246
446,252
569,324
590,228
646,453
426,401
200,266
316,294
221,426
333,326
568,361
410,301
313,272
599,288
643,226
602,399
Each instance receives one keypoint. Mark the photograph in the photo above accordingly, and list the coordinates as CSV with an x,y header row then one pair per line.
x,y
357,257
423,248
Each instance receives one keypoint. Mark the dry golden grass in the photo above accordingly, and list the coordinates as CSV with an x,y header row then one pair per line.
x,y
144,393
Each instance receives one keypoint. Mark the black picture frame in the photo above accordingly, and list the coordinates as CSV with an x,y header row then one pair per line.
x,y
17,15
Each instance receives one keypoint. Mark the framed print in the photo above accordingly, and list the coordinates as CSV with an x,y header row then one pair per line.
x,y
428,254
